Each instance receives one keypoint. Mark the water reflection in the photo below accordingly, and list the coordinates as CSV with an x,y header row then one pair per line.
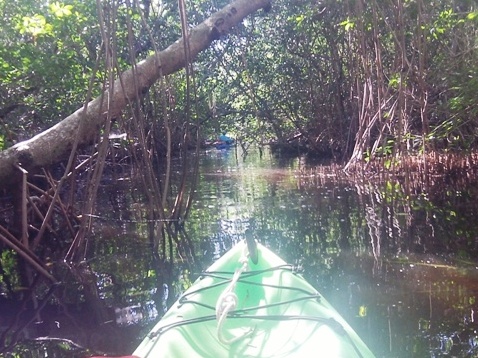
x,y
397,262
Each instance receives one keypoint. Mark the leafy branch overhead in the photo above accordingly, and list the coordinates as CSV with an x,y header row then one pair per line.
x,y
55,143
349,80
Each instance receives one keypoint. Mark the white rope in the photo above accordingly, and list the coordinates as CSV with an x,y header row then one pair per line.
x,y
228,301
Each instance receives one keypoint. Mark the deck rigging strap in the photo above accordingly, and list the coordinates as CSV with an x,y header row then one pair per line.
x,y
227,301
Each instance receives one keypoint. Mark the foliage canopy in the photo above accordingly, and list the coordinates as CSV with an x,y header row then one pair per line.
x,y
349,79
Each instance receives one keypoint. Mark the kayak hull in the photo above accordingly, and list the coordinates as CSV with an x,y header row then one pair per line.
x,y
277,314
220,146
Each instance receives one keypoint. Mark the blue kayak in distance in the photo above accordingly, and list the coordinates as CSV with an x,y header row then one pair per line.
x,y
224,142
251,303
224,145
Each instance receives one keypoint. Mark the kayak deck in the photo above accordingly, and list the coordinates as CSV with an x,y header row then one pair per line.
x,y
275,313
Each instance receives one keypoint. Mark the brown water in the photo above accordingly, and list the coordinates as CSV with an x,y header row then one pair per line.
x,y
399,264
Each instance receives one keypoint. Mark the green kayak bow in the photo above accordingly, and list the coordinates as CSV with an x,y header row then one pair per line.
x,y
250,303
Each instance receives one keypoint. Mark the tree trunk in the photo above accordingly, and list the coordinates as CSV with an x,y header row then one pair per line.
x,y
54,144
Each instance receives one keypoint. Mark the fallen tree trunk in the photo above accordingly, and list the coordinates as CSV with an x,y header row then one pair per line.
x,y
54,144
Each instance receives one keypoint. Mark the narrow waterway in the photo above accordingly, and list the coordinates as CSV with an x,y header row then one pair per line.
x,y
400,264
400,267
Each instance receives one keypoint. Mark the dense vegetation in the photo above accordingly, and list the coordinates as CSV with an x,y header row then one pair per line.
x,y
349,79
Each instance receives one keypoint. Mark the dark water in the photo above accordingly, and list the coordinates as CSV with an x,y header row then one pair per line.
x,y
399,263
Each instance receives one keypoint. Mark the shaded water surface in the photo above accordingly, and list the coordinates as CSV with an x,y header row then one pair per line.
x,y
399,263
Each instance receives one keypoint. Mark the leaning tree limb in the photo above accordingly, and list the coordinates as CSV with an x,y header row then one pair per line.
x,y
55,144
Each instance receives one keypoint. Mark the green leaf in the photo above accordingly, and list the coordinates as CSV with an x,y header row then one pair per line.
x,y
347,24
60,10
472,15
362,311
299,19
36,25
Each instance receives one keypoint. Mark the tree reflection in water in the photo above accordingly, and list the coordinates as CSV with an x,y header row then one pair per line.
x,y
397,261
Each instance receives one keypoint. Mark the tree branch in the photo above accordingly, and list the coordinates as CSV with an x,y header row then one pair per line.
x,y
54,144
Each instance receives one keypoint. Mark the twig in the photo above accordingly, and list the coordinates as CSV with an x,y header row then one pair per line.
x,y
28,255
